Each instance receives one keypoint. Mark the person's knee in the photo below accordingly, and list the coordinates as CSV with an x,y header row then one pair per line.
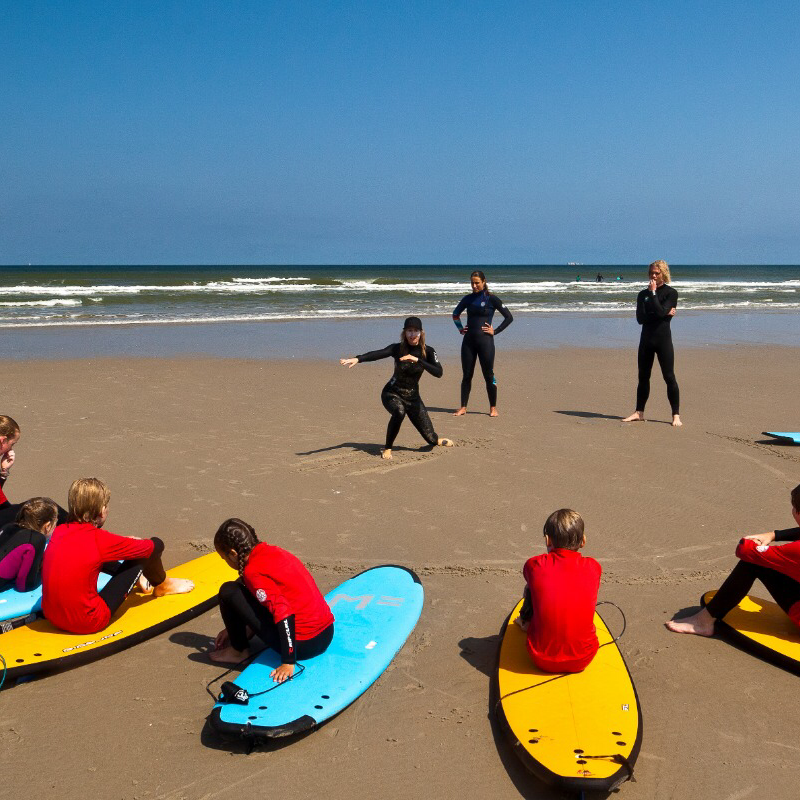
x,y
228,590
158,545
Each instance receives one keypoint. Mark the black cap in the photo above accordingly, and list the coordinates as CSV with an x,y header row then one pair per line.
x,y
413,322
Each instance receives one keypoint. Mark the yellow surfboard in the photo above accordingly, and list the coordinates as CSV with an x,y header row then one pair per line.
x,y
578,732
40,646
763,628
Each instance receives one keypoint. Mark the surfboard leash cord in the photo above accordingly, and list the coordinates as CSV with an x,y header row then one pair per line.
x,y
616,757
614,640
5,670
240,666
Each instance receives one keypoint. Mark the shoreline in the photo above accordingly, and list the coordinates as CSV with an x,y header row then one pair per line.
x,y
333,337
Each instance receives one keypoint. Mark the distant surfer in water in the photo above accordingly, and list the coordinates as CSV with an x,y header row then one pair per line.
x,y
400,396
478,341
80,550
655,308
777,567
560,598
275,598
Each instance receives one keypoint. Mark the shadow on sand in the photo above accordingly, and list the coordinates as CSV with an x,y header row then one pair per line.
x,y
482,654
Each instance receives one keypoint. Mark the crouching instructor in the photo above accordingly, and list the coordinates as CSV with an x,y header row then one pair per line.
x,y
400,396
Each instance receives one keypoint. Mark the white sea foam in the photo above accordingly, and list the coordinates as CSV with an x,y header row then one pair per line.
x,y
40,303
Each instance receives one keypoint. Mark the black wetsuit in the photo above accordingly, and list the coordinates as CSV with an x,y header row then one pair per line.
x,y
784,589
652,313
480,308
21,552
400,396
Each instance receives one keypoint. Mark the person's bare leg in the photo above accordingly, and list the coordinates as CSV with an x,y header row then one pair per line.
x,y
229,655
637,416
700,624
493,411
173,586
460,412
386,453
676,421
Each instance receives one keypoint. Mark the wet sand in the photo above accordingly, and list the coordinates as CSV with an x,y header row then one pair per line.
x,y
292,447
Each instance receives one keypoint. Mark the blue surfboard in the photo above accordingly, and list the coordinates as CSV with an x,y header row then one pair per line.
x,y
375,612
15,605
785,437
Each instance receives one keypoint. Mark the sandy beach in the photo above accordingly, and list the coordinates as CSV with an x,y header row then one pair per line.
x,y
291,446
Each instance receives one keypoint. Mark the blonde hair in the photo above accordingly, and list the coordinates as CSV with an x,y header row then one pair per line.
x,y
37,514
565,529
87,499
8,427
664,267
404,348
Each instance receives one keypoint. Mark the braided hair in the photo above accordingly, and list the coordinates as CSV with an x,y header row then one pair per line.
x,y
235,534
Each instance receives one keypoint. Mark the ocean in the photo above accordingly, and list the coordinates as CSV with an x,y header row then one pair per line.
x,y
552,305
46,296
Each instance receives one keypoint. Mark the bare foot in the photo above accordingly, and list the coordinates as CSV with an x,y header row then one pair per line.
x,y
173,586
637,416
493,411
522,624
445,442
701,624
229,655
387,454
143,585
461,411
676,421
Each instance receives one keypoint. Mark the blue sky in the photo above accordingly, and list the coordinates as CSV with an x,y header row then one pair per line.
x,y
406,132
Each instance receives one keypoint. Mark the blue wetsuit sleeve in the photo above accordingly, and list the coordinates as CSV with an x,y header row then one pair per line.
x,y
376,355
431,362
458,310
507,316
787,535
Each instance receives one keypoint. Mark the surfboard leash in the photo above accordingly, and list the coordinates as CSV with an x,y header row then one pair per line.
x,y
236,693
5,670
624,620
614,640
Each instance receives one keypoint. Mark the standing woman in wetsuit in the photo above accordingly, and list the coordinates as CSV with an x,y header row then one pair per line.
x,y
655,308
400,397
478,341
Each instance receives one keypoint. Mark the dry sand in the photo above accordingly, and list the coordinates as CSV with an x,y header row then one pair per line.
x,y
292,447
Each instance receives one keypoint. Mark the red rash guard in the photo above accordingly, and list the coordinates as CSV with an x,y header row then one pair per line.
x,y
72,563
784,558
564,586
280,582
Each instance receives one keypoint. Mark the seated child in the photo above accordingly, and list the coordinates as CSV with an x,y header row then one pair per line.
x,y
777,567
275,598
558,612
80,549
9,436
22,544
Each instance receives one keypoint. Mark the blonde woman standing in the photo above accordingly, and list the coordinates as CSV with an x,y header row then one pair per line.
x,y
655,308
